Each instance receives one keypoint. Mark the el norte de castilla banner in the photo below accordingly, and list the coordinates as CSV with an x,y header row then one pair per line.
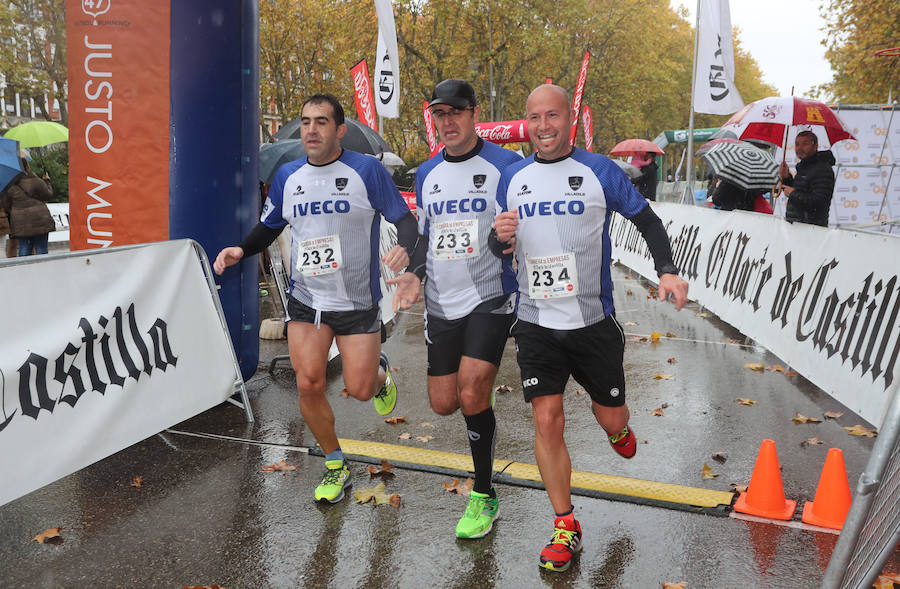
x,y
825,301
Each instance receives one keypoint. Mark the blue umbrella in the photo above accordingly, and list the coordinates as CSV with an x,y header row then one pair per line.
x,y
10,164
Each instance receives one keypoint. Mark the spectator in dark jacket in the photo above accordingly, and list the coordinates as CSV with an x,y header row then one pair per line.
x,y
30,221
646,183
809,191
730,197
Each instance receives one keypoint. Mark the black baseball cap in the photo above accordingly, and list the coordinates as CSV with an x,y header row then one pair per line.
x,y
453,92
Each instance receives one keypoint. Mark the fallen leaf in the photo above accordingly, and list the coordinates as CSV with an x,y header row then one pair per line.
x,y
628,293
396,501
702,314
791,373
643,339
670,334
861,430
405,436
386,471
281,466
679,585
459,488
776,368
672,360
137,481
395,420
654,337
48,534
377,495
833,414
652,291
580,392
628,277
757,366
426,424
719,456
738,488
658,412
886,581
811,442
424,439
396,368
707,472
502,389
630,323
800,418
747,402
660,376
345,393
664,405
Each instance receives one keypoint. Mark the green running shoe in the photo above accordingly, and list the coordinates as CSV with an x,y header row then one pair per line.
x,y
336,479
386,398
479,517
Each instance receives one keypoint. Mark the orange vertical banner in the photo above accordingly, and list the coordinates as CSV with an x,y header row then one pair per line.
x,y
365,103
579,91
587,120
118,77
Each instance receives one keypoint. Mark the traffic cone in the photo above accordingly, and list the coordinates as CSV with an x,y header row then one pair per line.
x,y
832,502
765,494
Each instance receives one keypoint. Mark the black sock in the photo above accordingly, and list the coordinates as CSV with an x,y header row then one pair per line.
x,y
482,429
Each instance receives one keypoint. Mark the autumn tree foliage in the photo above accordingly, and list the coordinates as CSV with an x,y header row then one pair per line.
x,y
855,30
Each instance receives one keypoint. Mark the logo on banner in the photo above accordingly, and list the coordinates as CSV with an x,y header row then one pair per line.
x,y
340,183
478,180
771,111
814,115
95,7
575,182
386,80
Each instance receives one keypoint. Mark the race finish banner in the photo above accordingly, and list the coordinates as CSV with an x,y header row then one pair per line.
x,y
118,76
825,301
121,357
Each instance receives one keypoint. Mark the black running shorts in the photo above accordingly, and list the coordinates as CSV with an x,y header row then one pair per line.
x,y
481,334
340,322
593,355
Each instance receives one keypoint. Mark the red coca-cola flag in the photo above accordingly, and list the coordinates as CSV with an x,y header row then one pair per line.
x,y
429,128
503,131
579,90
365,105
548,81
587,120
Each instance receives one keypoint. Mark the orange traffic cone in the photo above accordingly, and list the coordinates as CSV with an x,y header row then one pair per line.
x,y
832,502
765,494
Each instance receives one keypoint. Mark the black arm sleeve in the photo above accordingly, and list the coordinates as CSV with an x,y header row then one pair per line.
x,y
417,258
258,239
654,233
407,232
496,246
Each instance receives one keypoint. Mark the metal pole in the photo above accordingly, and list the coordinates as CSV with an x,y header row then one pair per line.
x,y
689,187
491,58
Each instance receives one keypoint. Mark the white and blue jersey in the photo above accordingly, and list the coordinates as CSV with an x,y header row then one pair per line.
x,y
334,212
456,204
562,241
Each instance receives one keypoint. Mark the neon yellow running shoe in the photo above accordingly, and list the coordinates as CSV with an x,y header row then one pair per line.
x,y
386,398
479,517
336,479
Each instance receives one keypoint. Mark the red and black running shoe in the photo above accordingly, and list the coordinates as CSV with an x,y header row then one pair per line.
x,y
566,541
624,442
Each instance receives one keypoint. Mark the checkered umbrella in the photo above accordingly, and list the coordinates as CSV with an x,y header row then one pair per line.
x,y
742,164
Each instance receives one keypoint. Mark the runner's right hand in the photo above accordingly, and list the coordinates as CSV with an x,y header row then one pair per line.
x,y
407,293
227,257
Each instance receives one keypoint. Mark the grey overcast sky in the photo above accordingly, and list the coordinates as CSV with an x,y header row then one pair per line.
x,y
784,37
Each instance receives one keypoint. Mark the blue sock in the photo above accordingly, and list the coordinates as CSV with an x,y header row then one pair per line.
x,y
571,509
336,455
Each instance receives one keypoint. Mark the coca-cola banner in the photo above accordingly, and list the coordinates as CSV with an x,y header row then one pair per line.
x,y
825,301
579,92
362,89
119,358
503,131
429,128
588,121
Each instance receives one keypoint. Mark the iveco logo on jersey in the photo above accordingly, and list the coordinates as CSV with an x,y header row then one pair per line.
x,y
462,205
546,207
325,207
575,182
341,183
478,180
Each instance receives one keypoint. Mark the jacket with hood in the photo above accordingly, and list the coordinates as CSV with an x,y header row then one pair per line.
x,y
25,200
813,186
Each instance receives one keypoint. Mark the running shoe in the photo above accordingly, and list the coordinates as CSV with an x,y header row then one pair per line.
x,y
386,397
565,543
624,442
479,517
336,479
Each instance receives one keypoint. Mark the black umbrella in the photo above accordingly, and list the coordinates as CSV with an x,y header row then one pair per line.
x,y
359,137
274,155
743,165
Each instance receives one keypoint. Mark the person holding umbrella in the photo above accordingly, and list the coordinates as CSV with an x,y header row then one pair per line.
x,y
809,192
25,203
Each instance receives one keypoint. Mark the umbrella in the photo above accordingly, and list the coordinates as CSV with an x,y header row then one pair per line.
x,y
10,164
38,133
274,155
635,147
359,136
770,118
706,146
631,171
743,165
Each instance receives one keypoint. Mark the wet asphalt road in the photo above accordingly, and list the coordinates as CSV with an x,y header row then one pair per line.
x,y
205,513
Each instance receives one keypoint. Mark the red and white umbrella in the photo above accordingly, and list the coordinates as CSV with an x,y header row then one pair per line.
x,y
635,147
769,119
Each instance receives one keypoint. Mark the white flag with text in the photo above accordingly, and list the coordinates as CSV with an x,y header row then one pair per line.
x,y
387,63
714,89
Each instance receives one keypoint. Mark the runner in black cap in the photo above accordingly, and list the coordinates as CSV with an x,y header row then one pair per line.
x,y
468,292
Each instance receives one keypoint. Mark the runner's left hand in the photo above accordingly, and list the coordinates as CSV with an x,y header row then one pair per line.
x,y
672,284
396,259
407,293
